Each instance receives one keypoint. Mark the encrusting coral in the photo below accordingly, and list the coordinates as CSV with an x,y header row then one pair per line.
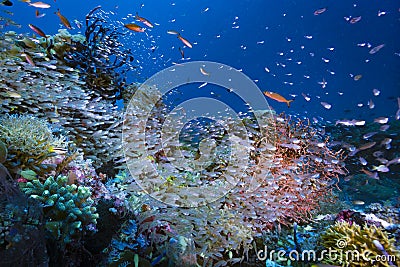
x,y
69,209
29,141
357,245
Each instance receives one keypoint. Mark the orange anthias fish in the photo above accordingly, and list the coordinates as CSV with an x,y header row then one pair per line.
x,y
184,41
37,30
63,20
134,27
278,97
144,21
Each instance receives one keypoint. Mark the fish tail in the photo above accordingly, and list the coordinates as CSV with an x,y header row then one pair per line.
x,y
288,102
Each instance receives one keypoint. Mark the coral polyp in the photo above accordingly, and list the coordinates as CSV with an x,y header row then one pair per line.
x,y
29,142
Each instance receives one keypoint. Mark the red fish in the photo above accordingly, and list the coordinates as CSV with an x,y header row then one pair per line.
x,y
185,41
37,30
38,14
144,21
28,59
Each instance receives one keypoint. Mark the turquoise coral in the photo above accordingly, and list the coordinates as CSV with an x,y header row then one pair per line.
x,y
69,210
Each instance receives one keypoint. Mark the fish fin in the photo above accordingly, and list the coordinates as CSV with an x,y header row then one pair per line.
x,y
288,102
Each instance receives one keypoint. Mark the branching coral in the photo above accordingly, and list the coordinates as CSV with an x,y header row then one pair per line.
x,y
295,170
68,208
29,142
101,58
359,246
289,170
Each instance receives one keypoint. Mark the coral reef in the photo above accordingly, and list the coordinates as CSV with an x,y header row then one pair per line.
x,y
386,211
29,142
291,169
89,120
359,245
373,160
22,238
127,245
3,152
68,209
101,58
294,171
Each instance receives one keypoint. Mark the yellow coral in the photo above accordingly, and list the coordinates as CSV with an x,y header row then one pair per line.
x,y
353,245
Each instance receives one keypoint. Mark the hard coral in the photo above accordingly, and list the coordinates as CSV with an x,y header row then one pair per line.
x,y
29,142
68,209
355,245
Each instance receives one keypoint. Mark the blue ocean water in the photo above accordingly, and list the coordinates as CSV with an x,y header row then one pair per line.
x,y
298,48
323,55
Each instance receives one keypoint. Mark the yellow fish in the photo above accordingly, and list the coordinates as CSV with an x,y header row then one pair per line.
x,y
278,97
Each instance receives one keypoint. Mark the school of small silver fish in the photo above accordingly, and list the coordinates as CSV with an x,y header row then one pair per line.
x,y
149,42
54,91
34,82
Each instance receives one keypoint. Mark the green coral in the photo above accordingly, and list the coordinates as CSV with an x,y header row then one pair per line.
x,y
353,245
29,141
68,208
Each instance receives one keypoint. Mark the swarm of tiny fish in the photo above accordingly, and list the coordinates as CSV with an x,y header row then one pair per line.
x,y
57,93
102,59
294,171
373,147
291,169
